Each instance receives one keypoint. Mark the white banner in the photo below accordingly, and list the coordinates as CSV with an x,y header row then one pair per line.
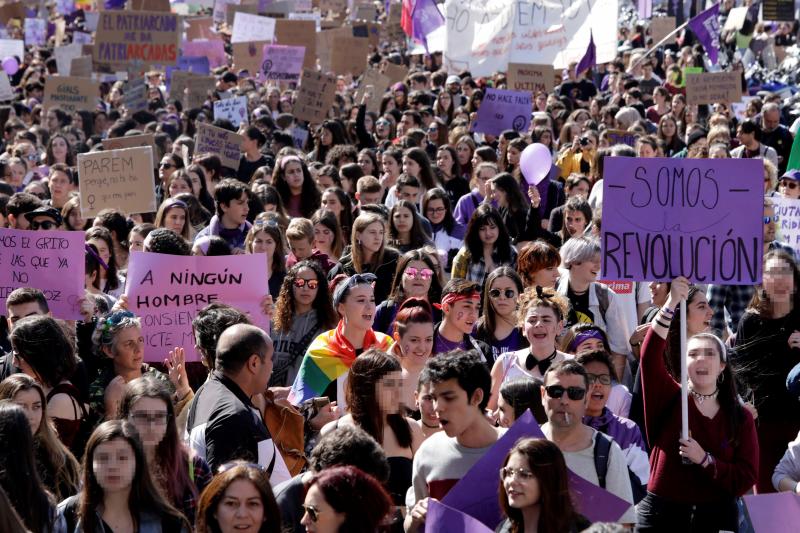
x,y
788,225
483,37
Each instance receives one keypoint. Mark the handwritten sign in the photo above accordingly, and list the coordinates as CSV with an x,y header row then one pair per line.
x,y
504,110
122,179
281,62
132,141
788,227
699,218
81,67
248,27
298,33
199,28
190,88
167,291
233,109
51,261
317,92
70,93
660,27
135,96
249,56
711,87
148,37
395,72
532,78
226,144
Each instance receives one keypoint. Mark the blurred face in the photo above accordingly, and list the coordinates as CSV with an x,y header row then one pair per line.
x,y
580,189
294,175
319,516
411,167
416,344
464,153
771,119
323,237
389,392
779,280
417,279
59,185
541,327
331,202
263,243
677,104
17,175
403,220
704,364
358,309
408,193
586,271
698,314
128,349
240,509
546,277
372,237
150,416
390,165
197,186
669,128
463,314
114,465
564,412
503,295
175,219
178,186
521,486
599,387
444,161
31,403
489,233
236,211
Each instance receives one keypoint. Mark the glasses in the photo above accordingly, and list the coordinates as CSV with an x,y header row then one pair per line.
x,y
433,130
45,225
436,210
779,272
789,184
312,512
773,218
508,293
557,391
424,273
166,165
520,473
150,418
603,379
310,283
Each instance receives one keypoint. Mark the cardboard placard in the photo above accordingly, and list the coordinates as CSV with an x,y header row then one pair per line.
x,y
247,28
533,78
282,63
504,110
132,141
315,16
81,67
135,96
788,212
249,56
233,109
125,37
191,89
349,55
298,33
14,10
199,28
660,27
368,30
736,18
711,87
149,5
71,93
378,83
122,179
226,144
395,72
65,55
325,45
317,92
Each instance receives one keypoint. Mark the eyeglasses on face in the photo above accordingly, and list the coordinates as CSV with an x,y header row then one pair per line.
x,y
436,210
520,473
773,218
603,379
557,391
166,165
44,224
310,283
424,273
508,293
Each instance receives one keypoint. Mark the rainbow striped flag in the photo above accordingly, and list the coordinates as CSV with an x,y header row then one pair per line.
x,y
328,357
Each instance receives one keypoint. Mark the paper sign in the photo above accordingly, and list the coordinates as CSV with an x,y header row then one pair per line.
x,y
135,96
711,87
532,78
368,30
81,37
282,63
71,93
699,218
65,55
314,101
167,291
233,109
788,226
440,517
35,32
248,27
622,137
249,57
226,144
122,179
308,16
51,261
299,137
376,83
660,27
740,108
349,55
736,18
504,110
124,37
81,67
199,28
6,91
214,50
298,33
132,141
12,47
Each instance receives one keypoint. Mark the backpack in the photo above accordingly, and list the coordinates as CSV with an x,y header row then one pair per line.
x,y
602,454
603,300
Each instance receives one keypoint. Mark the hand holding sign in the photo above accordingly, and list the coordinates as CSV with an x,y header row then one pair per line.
x,y
535,163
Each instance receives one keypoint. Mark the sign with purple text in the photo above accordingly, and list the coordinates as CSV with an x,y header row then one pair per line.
x,y
282,63
167,291
699,218
788,226
504,110
51,261
233,109
127,37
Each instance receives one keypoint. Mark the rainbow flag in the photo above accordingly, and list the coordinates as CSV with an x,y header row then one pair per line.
x,y
328,357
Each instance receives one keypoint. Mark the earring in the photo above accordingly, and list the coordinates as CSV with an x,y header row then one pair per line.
x,y
721,378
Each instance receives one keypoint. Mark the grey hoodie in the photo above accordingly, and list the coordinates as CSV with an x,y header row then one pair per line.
x,y
291,346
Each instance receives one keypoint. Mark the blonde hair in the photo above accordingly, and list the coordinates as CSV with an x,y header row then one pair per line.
x,y
360,224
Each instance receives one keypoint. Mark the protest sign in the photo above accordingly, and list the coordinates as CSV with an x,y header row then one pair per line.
x,y
248,28
6,91
484,37
197,89
196,64
317,92
51,261
298,33
325,45
736,18
778,10
282,63
788,226
81,37
214,50
368,30
308,16
167,291
771,513
226,144
532,78
122,179
35,32
199,28
698,218
349,55
132,141
65,55
299,137
14,10
740,108
81,67
249,56
233,109
135,96
392,30
70,93
441,517
150,37
711,87
622,137
660,27
12,47
504,110
376,84
149,5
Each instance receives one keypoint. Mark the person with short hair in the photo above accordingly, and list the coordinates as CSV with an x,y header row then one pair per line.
x,y
300,236
368,190
230,221
460,307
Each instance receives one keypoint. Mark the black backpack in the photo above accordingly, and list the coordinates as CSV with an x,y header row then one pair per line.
x,y
602,453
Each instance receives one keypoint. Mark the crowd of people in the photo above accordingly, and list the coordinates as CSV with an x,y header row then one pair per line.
x,y
422,297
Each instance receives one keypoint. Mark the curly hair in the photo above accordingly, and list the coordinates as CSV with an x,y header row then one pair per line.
x,y
285,309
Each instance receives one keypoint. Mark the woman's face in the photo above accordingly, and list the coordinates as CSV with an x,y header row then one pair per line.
x,y
522,488
546,138
503,294
677,104
390,165
789,188
178,186
240,510
59,185
331,202
389,392
488,233
150,416
779,280
128,349
175,219
18,172
598,391
445,100
417,279
436,211
546,277
365,162
325,137
505,412
416,344
358,309
102,249
541,327
513,155
658,292
698,314
75,220
327,519
135,242
294,175
403,220
114,465
263,243
165,169
197,184
372,237
499,195
645,150
464,153
31,403
586,271
575,222
580,189
703,363
669,128
323,238
305,295
60,149
444,162
411,167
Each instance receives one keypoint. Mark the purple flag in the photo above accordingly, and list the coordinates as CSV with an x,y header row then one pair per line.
x,y
425,18
440,517
706,27
589,59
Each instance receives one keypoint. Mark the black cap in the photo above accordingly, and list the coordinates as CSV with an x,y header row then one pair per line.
x,y
44,211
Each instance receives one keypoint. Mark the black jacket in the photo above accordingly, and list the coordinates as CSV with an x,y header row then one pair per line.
x,y
384,272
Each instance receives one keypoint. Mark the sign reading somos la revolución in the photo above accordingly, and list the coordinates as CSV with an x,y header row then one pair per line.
x,y
698,218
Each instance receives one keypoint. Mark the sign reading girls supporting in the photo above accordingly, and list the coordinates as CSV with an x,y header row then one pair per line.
x,y
167,291
52,261
504,110
149,37
699,218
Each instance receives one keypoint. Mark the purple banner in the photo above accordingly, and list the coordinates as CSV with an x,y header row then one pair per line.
x,y
706,27
773,513
504,110
440,517
699,218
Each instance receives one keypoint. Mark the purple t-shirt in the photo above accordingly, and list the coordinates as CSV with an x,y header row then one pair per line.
x,y
513,342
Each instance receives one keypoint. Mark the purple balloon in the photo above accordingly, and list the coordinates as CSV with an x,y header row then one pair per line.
x,y
535,163
10,65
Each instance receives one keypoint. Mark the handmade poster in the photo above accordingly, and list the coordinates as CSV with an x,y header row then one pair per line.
x,y
660,27
196,64
298,33
325,45
64,56
395,72
374,83
711,87
12,47
135,96
132,141
249,56
622,137
12,10
81,37
281,62
122,179
226,144
199,28
197,89
771,513
308,16
71,93
504,110
248,28
349,55
788,226
52,261
533,78
149,37
233,109
167,291
81,67
698,218
317,92
213,49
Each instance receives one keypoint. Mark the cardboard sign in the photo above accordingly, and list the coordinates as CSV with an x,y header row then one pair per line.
x,y
132,141
368,30
65,55
81,67
504,110
622,137
308,16
788,227
148,37
317,92
191,89
122,179
71,93
226,144
248,28
711,87
298,33
51,261
778,10
326,43
249,57
167,291
149,5
699,218
135,96
376,83
15,10
214,50
12,47
35,32
233,109
349,55
395,72
6,91
532,78
282,63
736,18
199,28
660,27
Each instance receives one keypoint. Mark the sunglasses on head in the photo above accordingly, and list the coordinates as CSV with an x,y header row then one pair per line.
x,y
557,391
424,273
45,225
310,283
509,293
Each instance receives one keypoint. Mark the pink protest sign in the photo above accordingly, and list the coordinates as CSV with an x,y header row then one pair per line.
x,y
51,261
213,49
167,291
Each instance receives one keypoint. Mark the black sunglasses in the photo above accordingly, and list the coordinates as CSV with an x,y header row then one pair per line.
x,y
45,225
509,293
557,391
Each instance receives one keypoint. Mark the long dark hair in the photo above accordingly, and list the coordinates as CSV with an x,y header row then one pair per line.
x,y
546,462
346,216
760,303
285,308
310,192
418,236
510,185
484,214
328,219
437,193
426,176
397,294
41,342
99,232
672,355
488,322
362,402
